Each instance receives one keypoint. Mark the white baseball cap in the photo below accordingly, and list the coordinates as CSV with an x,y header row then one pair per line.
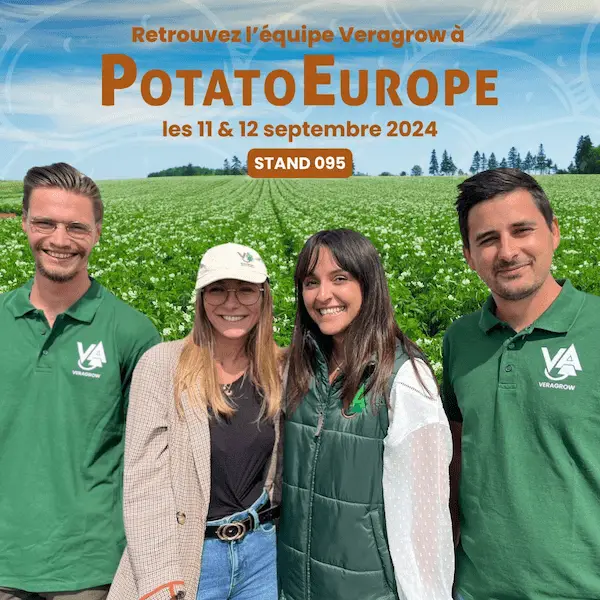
x,y
230,261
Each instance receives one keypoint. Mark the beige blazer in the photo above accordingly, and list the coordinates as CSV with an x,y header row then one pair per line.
x,y
166,485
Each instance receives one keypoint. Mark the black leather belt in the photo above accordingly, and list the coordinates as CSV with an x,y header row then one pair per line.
x,y
236,530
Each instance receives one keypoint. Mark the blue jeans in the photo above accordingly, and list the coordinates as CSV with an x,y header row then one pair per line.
x,y
244,569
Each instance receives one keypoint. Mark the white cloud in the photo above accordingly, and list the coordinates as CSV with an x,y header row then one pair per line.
x,y
65,112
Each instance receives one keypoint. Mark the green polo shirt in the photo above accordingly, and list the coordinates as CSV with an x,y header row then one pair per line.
x,y
529,496
63,398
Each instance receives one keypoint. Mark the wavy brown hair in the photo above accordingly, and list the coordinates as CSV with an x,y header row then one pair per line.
x,y
196,372
370,339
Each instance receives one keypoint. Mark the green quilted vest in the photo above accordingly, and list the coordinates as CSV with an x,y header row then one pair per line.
x,y
332,541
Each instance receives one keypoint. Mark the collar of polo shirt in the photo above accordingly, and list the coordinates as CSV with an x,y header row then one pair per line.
x,y
558,318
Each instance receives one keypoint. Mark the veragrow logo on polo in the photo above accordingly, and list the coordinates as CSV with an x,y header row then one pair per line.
x,y
565,363
90,359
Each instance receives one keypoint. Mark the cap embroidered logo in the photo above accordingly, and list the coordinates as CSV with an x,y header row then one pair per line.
x,y
246,257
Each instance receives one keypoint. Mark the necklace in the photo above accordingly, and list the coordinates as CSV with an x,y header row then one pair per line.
x,y
338,366
226,389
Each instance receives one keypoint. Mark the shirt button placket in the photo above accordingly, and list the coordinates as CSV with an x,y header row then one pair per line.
x,y
507,367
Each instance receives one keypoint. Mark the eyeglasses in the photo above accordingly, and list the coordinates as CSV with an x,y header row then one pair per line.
x,y
73,228
218,294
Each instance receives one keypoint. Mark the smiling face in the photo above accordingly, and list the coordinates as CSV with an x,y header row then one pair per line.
x,y
58,255
229,317
332,296
511,245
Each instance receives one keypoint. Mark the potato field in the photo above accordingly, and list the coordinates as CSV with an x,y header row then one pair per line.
x,y
155,231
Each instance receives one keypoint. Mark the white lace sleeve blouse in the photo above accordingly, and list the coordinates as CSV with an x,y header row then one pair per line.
x,y
416,456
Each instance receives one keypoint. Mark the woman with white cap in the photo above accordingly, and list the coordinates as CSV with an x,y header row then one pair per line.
x,y
200,447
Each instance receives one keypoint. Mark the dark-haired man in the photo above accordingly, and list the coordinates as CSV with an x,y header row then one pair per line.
x,y
67,351
522,393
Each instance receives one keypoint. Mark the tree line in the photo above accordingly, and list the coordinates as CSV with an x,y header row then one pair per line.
x,y
445,167
538,163
587,157
235,167
585,161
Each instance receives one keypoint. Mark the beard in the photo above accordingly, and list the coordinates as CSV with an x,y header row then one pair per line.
x,y
53,275
517,294
506,292
58,275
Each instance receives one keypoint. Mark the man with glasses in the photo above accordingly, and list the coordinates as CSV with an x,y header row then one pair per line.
x,y
67,351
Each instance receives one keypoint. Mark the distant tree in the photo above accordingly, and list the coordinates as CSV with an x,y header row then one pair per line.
x,y
185,170
402,173
416,171
528,163
226,167
434,168
512,158
484,162
594,166
236,166
445,163
476,164
518,161
353,167
245,168
503,163
451,166
583,154
492,162
385,174
540,160
461,173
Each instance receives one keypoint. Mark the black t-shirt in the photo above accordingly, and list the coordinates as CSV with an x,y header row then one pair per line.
x,y
241,452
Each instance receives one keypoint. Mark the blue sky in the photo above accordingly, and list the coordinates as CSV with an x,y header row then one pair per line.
x,y
547,55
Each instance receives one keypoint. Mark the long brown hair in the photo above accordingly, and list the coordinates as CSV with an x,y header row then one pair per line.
x,y
370,339
196,372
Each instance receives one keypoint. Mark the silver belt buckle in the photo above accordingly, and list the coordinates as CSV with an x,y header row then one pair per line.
x,y
230,532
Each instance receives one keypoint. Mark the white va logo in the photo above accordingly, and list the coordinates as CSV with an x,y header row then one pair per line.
x,y
94,356
565,361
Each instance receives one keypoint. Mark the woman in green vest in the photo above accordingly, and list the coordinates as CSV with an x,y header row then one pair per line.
x,y
367,444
